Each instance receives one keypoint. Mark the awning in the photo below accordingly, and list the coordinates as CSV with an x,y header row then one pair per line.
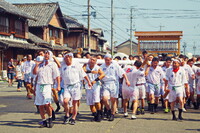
x,y
15,44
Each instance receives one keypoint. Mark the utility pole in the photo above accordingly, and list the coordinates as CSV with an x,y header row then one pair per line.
x,y
88,41
184,47
161,27
131,30
112,29
194,48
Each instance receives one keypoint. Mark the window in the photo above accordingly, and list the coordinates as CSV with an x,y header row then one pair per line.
x,y
4,24
19,27
57,33
50,33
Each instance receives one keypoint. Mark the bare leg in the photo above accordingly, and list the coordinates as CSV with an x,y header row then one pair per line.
x,y
48,109
114,105
75,109
42,111
135,105
125,104
106,102
66,106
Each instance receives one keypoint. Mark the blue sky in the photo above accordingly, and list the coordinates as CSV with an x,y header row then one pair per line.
x,y
149,15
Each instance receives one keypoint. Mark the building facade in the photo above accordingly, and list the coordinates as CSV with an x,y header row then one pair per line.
x,y
125,47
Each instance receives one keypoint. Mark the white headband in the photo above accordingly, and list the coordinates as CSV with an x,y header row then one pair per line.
x,y
108,56
69,54
177,60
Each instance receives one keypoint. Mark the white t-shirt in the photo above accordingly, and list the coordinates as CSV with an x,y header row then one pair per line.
x,y
155,75
28,67
164,68
19,71
188,71
112,72
72,74
176,79
47,74
131,75
196,74
141,76
192,81
92,76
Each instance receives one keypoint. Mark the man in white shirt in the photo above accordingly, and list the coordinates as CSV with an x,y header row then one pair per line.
x,y
95,74
46,72
141,85
175,81
135,90
154,77
197,74
166,66
72,74
27,70
112,72
189,74
192,83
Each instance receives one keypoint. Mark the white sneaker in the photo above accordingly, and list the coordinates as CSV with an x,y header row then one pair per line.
x,y
117,111
133,117
184,110
126,114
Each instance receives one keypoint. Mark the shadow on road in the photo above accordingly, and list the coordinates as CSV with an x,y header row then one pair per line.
x,y
192,129
30,123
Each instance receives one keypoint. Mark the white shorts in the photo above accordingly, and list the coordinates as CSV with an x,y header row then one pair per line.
x,y
146,87
184,93
72,91
27,78
142,91
93,94
43,94
192,87
110,89
198,87
131,93
154,89
162,89
61,98
175,92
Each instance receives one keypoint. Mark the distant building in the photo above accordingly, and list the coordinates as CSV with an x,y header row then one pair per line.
x,y
158,42
49,25
125,47
14,34
78,36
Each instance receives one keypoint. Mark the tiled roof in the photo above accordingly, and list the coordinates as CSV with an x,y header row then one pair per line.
x,y
35,39
61,48
99,31
72,23
43,12
126,43
15,44
9,8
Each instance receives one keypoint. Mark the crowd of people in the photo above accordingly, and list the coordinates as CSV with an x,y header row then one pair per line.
x,y
172,81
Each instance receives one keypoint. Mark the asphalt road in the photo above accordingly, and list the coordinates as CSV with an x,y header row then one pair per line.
x,y
17,114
